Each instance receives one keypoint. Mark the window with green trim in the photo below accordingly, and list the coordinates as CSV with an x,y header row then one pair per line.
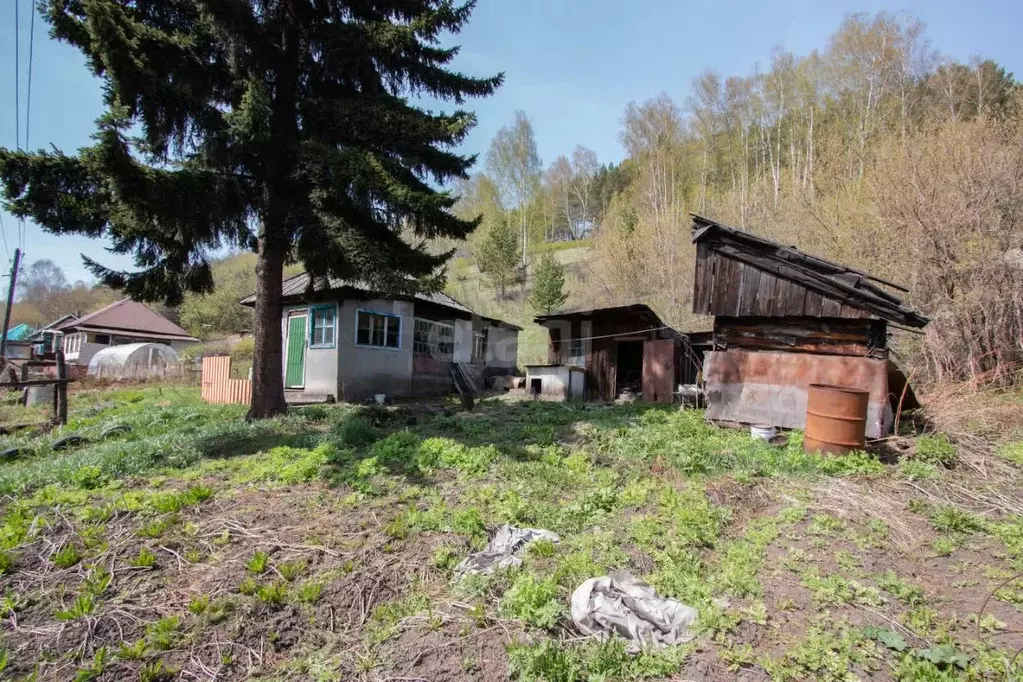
x,y
323,330
381,330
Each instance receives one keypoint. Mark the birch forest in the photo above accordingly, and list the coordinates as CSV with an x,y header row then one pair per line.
x,y
876,151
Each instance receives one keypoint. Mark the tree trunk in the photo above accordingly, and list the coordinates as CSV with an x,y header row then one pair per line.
x,y
267,360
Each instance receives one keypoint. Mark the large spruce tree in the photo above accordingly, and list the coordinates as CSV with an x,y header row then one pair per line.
x,y
280,126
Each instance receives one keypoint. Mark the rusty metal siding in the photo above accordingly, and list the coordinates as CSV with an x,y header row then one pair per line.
x,y
658,370
218,387
765,387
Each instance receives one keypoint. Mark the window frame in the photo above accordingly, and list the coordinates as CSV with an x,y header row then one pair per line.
x,y
319,309
370,311
572,359
446,325
483,332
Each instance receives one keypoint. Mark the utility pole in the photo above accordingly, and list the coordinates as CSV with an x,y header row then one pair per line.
x,y
10,302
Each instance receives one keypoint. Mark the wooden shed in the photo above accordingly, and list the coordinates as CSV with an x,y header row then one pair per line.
x,y
784,319
623,349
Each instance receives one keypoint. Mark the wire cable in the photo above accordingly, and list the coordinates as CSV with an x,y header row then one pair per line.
x,y
23,228
17,77
28,97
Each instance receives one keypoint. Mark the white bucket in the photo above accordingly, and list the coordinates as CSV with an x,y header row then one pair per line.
x,y
762,432
379,398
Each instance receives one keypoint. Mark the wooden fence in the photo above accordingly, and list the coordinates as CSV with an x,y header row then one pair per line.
x,y
217,385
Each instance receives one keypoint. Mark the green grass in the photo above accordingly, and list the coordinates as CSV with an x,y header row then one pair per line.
x,y
696,510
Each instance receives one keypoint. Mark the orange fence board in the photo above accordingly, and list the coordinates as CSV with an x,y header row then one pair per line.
x,y
219,388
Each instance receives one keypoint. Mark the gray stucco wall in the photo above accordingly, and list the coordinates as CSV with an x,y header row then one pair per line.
x,y
364,371
320,363
353,372
502,348
463,342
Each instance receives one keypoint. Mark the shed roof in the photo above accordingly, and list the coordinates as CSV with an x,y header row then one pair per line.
x,y
297,286
19,333
637,311
128,317
851,287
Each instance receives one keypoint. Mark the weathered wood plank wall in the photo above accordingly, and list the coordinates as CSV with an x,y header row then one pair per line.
x,y
730,287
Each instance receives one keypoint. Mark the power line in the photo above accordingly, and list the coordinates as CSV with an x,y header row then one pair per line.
x,y
17,77
3,234
23,229
31,45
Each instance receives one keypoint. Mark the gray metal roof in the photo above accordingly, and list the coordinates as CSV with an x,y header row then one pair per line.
x,y
298,285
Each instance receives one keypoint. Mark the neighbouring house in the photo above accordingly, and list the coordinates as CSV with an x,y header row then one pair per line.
x,y
602,354
117,324
784,320
18,346
345,341
21,332
38,334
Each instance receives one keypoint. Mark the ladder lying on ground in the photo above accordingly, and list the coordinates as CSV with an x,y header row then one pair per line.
x,y
465,384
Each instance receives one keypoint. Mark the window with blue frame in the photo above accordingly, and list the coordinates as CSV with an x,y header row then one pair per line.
x,y
380,330
323,330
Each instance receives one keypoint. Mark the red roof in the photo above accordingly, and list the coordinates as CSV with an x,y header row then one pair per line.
x,y
129,316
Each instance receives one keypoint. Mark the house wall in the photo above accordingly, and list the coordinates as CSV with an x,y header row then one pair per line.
x,y
363,371
353,372
463,341
80,353
502,349
320,363
577,383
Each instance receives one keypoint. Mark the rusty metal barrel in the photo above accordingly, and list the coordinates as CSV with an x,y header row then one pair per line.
x,y
836,419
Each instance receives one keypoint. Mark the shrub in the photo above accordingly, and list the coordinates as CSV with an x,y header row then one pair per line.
x,y
258,562
354,432
952,519
67,556
274,594
935,449
533,600
145,559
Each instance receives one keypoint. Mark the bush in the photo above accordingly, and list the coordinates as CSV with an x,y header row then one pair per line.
x,y
533,600
935,450
244,349
354,432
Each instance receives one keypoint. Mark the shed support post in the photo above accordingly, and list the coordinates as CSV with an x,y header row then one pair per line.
x,y
60,408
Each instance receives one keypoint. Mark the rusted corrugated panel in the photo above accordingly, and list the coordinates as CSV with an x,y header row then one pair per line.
x,y
771,387
658,370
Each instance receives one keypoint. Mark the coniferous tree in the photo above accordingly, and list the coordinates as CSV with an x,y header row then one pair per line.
x,y
548,285
279,126
497,252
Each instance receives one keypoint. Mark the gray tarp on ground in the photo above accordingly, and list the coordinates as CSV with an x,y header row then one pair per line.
x,y
623,605
500,551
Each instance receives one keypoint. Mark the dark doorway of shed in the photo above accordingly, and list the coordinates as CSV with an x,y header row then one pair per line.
x,y
629,368
535,388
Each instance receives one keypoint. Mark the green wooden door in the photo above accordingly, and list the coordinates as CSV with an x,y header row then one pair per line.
x,y
294,364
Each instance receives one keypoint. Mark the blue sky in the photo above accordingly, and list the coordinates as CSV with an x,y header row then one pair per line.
x,y
571,65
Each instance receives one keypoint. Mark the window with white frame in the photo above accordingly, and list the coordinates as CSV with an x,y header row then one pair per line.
x,y
479,344
431,338
323,330
380,330
576,353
